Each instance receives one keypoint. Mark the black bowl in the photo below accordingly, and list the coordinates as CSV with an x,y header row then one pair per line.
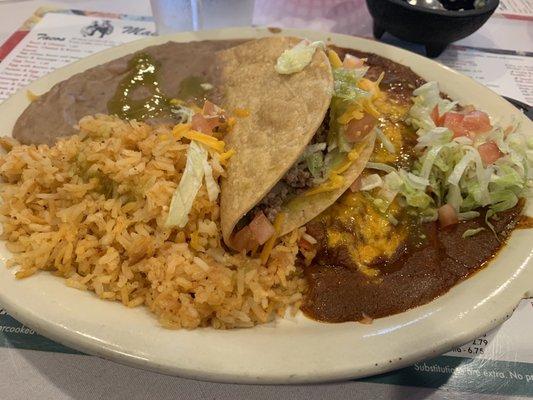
x,y
433,28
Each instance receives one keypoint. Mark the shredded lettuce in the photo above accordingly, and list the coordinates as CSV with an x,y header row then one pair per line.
x,y
313,148
321,158
343,144
451,170
392,219
489,214
392,183
385,141
468,215
182,113
463,140
371,181
345,83
413,190
455,199
472,232
315,164
380,167
334,159
461,167
190,183
211,185
429,160
435,136
503,200
297,58
426,97
346,93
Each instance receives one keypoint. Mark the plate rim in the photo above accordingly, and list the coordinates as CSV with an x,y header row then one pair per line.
x,y
66,336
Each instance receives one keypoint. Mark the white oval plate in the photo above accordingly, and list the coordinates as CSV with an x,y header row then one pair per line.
x,y
286,351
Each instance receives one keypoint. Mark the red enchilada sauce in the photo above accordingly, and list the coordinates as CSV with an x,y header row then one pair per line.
x,y
338,291
367,268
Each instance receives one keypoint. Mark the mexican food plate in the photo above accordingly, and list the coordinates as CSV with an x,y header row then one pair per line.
x,y
252,206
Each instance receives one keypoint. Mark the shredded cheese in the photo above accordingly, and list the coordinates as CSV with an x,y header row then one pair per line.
x,y
334,238
334,59
366,84
208,140
380,78
368,271
184,131
354,153
241,112
269,245
180,129
231,123
31,96
351,157
334,182
372,87
369,108
227,155
354,112
339,170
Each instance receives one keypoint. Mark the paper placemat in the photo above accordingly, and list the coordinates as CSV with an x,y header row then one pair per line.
x,y
498,363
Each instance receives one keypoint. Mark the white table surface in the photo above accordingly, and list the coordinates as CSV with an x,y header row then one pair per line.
x,y
29,374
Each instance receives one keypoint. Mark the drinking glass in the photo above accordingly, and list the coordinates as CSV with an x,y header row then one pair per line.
x,y
192,15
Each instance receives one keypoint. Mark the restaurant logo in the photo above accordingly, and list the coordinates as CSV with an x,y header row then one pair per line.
x,y
102,27
137,31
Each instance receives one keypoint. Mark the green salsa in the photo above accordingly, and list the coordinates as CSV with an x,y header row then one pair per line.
x,y
144,73
191,88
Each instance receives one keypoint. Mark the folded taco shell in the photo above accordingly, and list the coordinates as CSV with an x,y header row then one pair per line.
x,y
284,113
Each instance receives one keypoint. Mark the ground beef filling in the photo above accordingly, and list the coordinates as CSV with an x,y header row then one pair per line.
x,y
297,180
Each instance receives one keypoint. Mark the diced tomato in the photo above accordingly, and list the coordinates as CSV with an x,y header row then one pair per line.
x,y
356,185
454,122
261,228
447,216
352,62
243,240
201,124
211,109
204,124
365,319
359,128
462,124
438,119
489,152
211,117
305,245
477,122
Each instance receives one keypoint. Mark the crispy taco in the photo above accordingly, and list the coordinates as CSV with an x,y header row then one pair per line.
x,y
306,137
